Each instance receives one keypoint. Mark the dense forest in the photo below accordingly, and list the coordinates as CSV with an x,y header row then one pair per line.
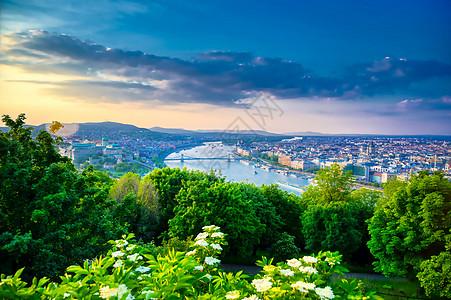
x,y
54,218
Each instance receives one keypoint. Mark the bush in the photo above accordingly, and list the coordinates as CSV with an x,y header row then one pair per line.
x,y
285,247
129,272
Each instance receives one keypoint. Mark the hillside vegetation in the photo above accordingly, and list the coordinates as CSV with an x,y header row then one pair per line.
x,y
53,217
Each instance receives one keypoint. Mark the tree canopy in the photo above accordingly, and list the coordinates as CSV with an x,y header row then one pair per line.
x,y
335,214
410,232
51,216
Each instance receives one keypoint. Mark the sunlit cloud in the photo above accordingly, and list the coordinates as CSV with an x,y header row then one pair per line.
x,y
219,77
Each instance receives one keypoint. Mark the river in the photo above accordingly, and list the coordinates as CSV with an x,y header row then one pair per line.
x,y
236,171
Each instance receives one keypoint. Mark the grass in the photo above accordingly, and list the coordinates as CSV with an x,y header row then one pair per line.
x,y
398,287
394,289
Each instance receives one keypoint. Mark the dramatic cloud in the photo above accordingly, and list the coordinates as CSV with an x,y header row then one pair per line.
x,y
220,78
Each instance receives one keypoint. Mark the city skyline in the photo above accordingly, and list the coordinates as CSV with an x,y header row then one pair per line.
x,y
361,68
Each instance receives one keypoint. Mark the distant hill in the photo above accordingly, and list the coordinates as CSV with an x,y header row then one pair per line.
x,y
174,131
217,132
111,130
308,133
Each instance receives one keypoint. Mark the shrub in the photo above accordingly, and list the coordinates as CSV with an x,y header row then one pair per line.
x,y
129,272
285,247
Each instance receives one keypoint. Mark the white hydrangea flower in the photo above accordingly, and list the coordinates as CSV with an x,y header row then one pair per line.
x,y
232,295
106,292
212,227
117,254
119,263
199,268
131,247
147,292
191,252
294,263
216,246
121,290
217,234
309,270
142,269
66,295
325,293
263,284
211,260
310,259
303,287
134,257
202,243
252,297
286,272
121,243
202,236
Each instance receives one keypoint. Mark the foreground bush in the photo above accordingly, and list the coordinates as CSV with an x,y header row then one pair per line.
x,y
50,215
130,272
411,232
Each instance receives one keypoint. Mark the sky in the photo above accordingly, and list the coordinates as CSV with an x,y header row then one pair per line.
x,y
355,66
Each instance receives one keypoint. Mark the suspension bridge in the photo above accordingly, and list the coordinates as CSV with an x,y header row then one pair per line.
x,y
184,157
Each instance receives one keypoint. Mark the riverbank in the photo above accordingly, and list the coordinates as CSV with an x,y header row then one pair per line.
x,y
308,174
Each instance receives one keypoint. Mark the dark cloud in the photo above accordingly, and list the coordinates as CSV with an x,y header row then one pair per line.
x,y
391,75
218,77
421,108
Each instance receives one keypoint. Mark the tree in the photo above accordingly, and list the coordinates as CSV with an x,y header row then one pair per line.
x,y
335,214
127,184
410,232
139,205
222,204
331,185
265,212
51,216
167,183
289,207
331,227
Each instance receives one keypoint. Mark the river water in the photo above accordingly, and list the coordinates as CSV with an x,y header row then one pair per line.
x,y
236,171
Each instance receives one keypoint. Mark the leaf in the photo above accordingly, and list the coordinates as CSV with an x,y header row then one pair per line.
x,y
77,270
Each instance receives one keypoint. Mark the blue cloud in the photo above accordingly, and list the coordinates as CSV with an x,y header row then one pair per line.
x,y
219,77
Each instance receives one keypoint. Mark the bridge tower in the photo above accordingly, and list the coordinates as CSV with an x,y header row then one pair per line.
x,y
181,160
228,157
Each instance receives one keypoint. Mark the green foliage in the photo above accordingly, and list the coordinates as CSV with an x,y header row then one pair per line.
x,y
221,203
138,204
127,184
410,232
125,167
289,207
332,185
332,227
335,215
167,183
285,247
177,244
130,271
51,216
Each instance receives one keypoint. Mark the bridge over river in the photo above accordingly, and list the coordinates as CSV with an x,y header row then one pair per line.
x,y
184,157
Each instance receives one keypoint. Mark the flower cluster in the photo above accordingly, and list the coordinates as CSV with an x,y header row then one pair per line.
x,y
305,276
130,272
207,246
106,292
263,284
